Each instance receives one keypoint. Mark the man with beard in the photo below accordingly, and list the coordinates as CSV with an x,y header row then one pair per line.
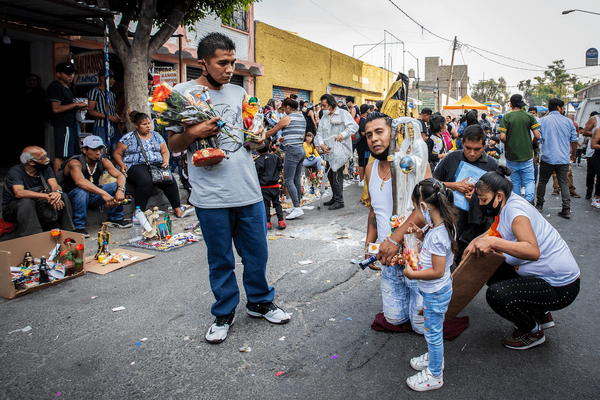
x,y
32,197
401,298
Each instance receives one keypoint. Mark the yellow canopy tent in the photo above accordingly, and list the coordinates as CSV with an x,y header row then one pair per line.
x,y
466,103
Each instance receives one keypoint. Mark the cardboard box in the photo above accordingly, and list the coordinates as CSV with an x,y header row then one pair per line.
x,y
41,244
468,279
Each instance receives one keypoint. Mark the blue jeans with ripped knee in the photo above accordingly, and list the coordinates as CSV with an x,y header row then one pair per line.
x,y
401,298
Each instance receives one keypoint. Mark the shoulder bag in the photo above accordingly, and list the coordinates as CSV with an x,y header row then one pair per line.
x,y
158,173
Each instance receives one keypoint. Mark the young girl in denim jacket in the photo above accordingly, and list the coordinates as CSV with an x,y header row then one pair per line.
x,y
433,276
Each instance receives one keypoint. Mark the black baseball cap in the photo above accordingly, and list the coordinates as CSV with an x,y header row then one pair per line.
x,y
67,68
517,100
427,111
364,108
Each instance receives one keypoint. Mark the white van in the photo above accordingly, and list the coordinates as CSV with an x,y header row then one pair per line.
x,y
585,109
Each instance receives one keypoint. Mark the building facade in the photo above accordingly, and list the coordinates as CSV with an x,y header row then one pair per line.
x,y
434,86
296,65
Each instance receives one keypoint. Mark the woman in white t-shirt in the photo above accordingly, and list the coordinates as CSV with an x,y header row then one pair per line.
x,y
540,273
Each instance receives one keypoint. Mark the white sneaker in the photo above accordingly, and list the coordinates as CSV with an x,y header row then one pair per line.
x,y
187,210
217,333
295,213
361,183
421,362
271,312
596,203
424,381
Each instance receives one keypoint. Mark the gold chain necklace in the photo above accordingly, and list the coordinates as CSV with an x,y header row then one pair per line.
x,y
383,180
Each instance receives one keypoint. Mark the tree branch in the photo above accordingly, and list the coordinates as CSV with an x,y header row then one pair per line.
x,y
116,40
123,28
145,22
169,27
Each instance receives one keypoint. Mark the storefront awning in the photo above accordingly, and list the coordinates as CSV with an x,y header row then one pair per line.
x,y
59,17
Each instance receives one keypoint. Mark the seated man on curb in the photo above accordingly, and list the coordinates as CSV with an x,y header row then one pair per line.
x,y
82,183
32,197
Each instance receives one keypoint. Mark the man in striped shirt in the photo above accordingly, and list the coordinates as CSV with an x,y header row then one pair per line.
x,y
98,109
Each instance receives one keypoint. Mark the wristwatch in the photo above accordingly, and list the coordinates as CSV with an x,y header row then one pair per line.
x,y
59,191
121,187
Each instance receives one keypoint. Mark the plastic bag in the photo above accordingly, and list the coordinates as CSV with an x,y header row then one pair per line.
x,y
411,251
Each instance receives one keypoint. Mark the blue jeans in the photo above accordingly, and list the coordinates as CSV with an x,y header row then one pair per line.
x,y
292,171
401,298
81,200
522,175
435,306
247,226
314,162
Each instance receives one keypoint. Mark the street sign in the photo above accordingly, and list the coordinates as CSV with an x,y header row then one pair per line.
x,y
591,57
169,77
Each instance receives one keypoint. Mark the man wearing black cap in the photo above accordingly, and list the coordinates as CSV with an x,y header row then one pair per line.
x,y
66,134
515,132
99,110
424,117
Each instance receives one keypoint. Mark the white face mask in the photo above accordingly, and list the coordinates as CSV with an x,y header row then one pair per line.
x,y
325,112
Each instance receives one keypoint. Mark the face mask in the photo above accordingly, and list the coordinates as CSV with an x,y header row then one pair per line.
x,y
383,155
425,212
325,112
489,209
40,167
210,79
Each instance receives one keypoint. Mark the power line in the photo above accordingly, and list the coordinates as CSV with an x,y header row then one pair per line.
x,y
360,33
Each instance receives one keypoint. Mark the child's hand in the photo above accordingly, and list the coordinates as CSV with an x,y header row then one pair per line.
x,y
409,273
416,230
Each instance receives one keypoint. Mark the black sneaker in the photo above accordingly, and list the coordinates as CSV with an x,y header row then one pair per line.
x,y
120,224
84,232
588,194
336,206
217,333
328,203
271,312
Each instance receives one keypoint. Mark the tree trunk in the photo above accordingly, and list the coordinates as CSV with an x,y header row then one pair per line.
x,y
135,84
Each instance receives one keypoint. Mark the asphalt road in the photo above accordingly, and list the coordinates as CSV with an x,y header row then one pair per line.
x,y
80,349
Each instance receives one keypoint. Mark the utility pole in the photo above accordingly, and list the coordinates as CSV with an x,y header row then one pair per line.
x,y
451,71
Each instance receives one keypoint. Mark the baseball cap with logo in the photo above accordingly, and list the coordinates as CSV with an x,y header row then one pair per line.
x,y
67,68
93,142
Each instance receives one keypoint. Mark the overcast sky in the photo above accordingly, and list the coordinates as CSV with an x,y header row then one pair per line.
x,y
534,32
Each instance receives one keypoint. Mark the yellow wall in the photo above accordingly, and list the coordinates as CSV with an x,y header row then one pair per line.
x,y
293,62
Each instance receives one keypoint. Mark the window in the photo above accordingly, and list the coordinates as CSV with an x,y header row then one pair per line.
x,y
238,20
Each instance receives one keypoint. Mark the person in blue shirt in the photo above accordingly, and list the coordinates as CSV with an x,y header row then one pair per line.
x,y
559,141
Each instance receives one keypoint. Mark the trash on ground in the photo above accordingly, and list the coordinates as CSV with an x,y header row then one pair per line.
x,y
26,329
349,319
186,338
245,349
354,261
272,237
138,343
303,271
333,357
306,262
279,373
94,297
282,338
332,319
308,207
118,309
132,363
144,339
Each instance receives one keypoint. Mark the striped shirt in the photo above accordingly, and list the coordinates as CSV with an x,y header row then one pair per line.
x,y
99,96
293,134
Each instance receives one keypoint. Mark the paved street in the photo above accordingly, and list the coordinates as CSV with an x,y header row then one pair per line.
x,y
81,349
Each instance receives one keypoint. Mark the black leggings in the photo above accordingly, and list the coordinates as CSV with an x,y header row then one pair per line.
x,y
518,298
139,176
593,170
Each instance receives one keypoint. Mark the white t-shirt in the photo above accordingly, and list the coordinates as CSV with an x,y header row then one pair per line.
x,y
556,264
381,201
232,182
437,242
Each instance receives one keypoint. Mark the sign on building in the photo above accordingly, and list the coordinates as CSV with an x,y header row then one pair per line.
x,y
591,57
169,77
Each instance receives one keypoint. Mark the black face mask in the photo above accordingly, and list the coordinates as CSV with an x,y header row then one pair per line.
x,y
383,155
210,79
40,167
489,210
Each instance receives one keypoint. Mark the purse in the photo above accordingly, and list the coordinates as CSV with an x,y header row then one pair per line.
x,y
158,173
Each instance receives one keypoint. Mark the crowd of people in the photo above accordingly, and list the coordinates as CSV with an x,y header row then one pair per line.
x,y
233,199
